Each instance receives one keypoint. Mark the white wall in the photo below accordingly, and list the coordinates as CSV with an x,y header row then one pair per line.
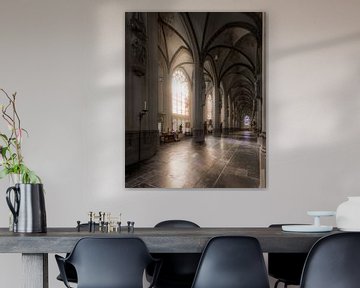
x,y
66,61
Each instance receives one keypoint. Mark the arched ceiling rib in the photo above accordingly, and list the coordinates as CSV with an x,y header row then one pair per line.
x,y
227,44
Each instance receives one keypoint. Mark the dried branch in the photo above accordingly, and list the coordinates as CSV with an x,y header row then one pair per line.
x,y
11,156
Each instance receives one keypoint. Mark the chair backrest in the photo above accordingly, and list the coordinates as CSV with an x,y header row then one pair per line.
x,y
110,262
333,262
232,262
178,269
176,224
286,267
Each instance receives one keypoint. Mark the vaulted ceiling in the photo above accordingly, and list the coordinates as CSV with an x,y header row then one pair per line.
x,y
227,44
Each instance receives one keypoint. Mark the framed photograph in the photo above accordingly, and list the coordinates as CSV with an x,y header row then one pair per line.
x,y
195,100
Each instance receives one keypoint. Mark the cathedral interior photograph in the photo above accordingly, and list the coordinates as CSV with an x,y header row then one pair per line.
x,y
195,100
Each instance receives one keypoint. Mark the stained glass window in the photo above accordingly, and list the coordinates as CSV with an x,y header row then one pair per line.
x,y
180,93
209,107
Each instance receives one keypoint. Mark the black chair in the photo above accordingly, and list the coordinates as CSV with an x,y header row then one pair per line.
x,y
108,263
232,262
176,224
178,269
333,262
69,269
286,267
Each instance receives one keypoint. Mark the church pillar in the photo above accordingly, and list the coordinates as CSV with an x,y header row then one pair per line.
x,y
225,128
259,114
231,115
167,103
217,111
141,135
150,134
198,103
261,133
236,115
135,87
253,115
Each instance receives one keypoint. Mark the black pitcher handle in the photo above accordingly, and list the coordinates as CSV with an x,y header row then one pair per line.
x,y
13,208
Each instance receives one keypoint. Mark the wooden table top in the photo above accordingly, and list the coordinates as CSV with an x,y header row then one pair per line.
x,y
158,240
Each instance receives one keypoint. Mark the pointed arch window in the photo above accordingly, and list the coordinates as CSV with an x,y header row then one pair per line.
x,y
209,105
180,93
247,120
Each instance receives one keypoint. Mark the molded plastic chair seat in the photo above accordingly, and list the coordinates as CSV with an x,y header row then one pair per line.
x,y
70,273
178,269
286,267
232,262
69,269
333,262
108,263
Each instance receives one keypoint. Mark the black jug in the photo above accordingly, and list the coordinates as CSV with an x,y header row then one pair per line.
x,y
28,208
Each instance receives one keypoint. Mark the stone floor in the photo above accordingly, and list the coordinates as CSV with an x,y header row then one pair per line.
x,y
226,162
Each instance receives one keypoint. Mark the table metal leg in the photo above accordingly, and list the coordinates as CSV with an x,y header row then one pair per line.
x,y
35,270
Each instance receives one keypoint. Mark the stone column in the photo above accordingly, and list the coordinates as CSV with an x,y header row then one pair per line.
x,y
217,111
262,134
150,135
167,103
236,115
259,114
198,103
225,127
253,115
135,82
231,115
141,78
